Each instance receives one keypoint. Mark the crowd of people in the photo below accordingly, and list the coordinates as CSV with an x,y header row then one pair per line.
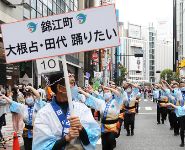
x,y
48,124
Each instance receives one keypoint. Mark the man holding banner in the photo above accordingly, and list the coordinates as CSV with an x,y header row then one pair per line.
x,y
52,128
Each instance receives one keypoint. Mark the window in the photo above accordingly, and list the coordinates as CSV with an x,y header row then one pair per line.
x,y
33,13
152,79
152,68
150,38
151,51
50,12
58,10
39,7
33,4
152,73
27,10
151,62
38,15
152,56
45,13
54,8
62,5
58,2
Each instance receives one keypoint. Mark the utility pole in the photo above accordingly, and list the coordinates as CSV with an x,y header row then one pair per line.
x,y
115,72
175,53
105,52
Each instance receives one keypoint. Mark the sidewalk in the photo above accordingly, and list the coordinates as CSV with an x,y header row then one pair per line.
x,y
8,132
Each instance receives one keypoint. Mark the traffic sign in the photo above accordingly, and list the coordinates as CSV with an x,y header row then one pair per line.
x,y
94,55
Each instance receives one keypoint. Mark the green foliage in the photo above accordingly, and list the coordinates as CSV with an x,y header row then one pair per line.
x,y
170,76
120,78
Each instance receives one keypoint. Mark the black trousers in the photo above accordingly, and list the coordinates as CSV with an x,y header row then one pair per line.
x,y
154,100
108,140
182,127
137,106
27,143
2,119
170,118
161,111
144,95
98,115
175,123
129,120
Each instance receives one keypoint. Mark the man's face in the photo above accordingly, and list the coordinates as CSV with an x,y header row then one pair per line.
x,y
175,86
72,81
182,85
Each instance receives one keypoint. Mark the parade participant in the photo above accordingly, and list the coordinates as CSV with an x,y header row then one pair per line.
x,y
174,121
159,94
17,118
129,99
181,109
29,111
54,129
180,112
109,109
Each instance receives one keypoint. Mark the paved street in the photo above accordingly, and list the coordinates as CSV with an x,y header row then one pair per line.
x,y
148,135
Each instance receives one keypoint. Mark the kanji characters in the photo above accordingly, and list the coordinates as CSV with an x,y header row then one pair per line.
x,y
11,50
86,37
50,43
46,26
58,24
77,39
21,48
99,34
33,47
68,22
62,38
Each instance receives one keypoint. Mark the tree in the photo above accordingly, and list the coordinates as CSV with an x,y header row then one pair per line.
x,y
170,76
120,78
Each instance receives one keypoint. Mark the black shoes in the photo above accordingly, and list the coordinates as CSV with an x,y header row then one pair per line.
x,y
175,134
158,123
132,133
182,145
128,133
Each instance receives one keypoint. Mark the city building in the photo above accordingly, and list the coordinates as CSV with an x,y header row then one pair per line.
x,y
143,39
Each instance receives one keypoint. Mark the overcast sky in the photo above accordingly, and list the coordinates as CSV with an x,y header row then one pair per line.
x,y
141,12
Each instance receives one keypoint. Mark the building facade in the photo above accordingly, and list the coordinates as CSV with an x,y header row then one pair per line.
x,y
157,55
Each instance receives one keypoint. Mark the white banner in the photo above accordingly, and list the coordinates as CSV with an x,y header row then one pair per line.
x,y
134,31
90,29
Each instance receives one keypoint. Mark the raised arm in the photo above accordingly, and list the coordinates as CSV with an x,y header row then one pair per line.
x,y
170,104
162,87
84,93
35,92
114,91
6,98
163,81
132,84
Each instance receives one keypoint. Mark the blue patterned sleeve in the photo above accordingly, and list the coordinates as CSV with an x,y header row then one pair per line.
x,y
41,103
43,139
92,128
174,93
119,100
180,111
167,93
100,97
95,103
135,92
17,107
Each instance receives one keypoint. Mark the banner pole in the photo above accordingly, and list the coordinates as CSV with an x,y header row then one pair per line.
x,y
67,85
